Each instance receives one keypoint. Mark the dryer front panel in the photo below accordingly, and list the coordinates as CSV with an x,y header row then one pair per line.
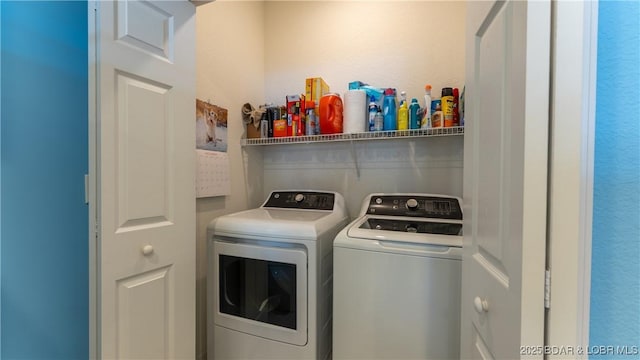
x,y
262,290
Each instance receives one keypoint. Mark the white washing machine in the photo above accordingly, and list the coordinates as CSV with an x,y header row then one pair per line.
x,y
397,275
269,284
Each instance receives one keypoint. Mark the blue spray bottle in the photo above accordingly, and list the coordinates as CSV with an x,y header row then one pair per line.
x,y
389,110
414,116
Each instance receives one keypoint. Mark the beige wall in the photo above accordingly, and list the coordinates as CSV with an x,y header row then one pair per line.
x,y
230,72
258,52
400,44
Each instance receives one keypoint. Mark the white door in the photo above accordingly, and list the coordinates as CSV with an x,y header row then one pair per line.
x,y
505,185
146,192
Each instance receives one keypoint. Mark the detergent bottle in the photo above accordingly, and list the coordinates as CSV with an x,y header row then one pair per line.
x,y
403,116
331,114
426,113
414,114
389,110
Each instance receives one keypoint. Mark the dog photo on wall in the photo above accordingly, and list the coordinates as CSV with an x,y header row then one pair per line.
x,y
211,127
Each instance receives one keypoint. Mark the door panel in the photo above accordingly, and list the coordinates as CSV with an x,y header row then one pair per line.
x,y
505,168
481,350
145,295
154,35
145,116
491,49
146,187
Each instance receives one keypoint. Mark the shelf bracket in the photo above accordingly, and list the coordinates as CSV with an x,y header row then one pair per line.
x,y
354,154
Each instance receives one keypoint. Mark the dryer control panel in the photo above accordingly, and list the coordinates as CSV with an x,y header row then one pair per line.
x,y
433,207
309,200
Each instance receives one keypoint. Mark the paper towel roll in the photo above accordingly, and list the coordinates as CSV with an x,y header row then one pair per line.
x,y
355,111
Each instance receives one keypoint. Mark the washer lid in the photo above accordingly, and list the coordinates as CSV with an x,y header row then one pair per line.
x,y
411,230
277,223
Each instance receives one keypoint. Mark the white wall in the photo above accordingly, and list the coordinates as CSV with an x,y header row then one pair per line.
x,y
399,44
426,165
230,72
257,52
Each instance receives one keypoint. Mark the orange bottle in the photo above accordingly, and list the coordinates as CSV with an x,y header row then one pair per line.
x,y
330,114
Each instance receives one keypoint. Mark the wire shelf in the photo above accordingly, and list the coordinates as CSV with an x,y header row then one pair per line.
x,y
373,135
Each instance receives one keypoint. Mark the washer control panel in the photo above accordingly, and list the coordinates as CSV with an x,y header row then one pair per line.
x,y
300,200
420,227
415,206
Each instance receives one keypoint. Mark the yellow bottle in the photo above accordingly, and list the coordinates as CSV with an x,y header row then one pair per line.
x,y
403,117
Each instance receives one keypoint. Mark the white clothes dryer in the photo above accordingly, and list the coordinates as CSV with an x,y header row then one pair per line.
x,y
269,283
397,278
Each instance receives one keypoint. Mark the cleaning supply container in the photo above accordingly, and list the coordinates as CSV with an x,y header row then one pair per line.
x,y
331,114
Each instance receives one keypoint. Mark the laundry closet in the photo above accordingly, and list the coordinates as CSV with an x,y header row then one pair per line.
x,y
236,63
260,52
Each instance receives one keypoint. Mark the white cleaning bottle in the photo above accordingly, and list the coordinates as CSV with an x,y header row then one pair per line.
x,y
426,113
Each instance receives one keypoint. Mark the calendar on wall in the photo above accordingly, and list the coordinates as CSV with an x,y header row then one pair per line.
x,y
212,178
212,174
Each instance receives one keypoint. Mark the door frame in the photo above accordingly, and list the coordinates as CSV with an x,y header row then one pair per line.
x,y
92,181
0,184
571,162
571,278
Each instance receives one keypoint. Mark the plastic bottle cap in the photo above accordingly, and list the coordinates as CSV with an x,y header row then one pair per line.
x,y
427,87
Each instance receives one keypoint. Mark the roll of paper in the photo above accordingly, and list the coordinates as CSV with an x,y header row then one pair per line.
x,y
355,111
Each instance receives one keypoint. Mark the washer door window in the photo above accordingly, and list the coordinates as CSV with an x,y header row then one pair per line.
x,y
262,291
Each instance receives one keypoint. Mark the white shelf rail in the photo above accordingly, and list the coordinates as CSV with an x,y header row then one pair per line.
x,y
373,135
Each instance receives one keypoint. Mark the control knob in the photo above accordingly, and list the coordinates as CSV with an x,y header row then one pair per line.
x,y
412,204
299,198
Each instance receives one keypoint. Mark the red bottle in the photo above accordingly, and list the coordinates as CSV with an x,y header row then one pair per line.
x,y
330,114
456,108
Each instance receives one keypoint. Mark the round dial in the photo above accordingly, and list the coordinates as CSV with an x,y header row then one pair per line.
x,y
378,201
412,204
299,198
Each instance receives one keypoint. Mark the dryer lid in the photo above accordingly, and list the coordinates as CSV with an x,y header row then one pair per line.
x,y
277,223
287,214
